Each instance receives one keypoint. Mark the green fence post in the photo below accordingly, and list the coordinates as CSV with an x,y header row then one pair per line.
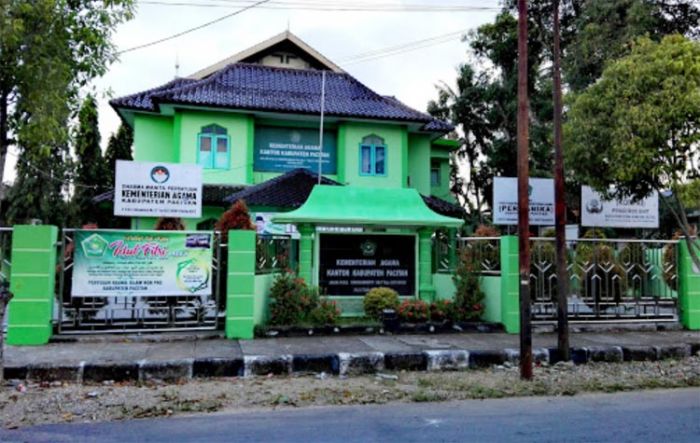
x,y
306,248
240,286
33,282
510,294
426,290
452,253
689,289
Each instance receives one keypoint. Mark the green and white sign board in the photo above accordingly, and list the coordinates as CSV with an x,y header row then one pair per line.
x,y
142,263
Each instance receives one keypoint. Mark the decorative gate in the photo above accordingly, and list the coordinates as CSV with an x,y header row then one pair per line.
x,y
614,280
89,313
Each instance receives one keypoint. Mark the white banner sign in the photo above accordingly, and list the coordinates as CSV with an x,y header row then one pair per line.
x,y
595,211
505,201
145,189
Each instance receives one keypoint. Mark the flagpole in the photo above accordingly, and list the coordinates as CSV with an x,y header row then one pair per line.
x,y
320,130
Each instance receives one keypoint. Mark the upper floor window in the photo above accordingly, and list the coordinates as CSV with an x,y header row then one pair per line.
x,y
372,156
435,178
213,150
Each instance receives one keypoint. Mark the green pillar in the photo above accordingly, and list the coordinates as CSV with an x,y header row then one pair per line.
x,y
510,288
426,290
33,281
240,285
306,247
689,289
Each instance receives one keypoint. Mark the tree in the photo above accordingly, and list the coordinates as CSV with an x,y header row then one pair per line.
x,y
48,50
638,127
236,217
484,105
91,168
118,148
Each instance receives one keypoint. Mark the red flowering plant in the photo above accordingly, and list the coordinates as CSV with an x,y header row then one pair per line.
x,y
442,310
413,311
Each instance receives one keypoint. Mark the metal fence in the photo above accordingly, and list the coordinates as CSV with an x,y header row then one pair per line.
x,y
5,265
483,252
274,253
609,279
76,315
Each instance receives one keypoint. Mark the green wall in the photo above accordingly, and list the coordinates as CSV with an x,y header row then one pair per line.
x,y
396,140
153,139
237,127
418,158
261,306
440,153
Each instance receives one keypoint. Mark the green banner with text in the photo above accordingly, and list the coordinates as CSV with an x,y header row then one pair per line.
x,y
142,263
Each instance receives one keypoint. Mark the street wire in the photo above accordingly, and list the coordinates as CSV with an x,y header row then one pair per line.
x,y
196,28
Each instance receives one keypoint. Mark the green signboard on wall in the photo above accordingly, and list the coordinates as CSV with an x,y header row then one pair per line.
x,y
281,149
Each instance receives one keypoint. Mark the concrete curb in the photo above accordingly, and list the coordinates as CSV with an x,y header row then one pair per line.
x,y
344,364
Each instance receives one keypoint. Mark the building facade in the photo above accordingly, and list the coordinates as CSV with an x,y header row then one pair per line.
x,y
254,117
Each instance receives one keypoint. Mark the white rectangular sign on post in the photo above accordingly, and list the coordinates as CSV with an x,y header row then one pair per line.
x,y
145,189
505,201
596,211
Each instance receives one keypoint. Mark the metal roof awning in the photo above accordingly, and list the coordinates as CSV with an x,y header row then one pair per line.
x,y
350,205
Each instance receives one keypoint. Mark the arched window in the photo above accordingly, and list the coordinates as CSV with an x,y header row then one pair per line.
x,y
213,150
372,156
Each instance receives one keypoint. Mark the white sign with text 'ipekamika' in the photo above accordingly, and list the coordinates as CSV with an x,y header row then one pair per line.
x,y
505,201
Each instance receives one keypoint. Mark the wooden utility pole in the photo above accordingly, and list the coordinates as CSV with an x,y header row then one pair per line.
x,y
524,198
560,203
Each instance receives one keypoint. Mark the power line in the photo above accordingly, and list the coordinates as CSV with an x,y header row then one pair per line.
x,y
204,25
333,7
402,48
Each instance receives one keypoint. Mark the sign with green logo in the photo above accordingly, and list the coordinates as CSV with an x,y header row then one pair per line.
x,y
280,149
136,263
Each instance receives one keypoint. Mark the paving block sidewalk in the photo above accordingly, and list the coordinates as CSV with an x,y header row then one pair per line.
x,y
143,358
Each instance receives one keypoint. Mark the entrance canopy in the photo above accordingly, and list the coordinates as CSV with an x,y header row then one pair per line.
x,y
349,205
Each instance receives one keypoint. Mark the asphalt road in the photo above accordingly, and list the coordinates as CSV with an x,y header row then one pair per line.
x,y
651,416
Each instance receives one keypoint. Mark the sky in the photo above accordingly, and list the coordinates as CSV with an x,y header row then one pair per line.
x,y
410,76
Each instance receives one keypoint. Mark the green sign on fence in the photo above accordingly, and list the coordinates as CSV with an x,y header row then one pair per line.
x,y
142,263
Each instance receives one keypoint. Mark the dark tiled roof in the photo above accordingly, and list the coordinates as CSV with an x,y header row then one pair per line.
x,y
289,190
212,195
265,88
443,207
292,189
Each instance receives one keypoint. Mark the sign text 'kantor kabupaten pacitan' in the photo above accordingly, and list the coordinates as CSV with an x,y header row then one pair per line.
x,y
352,264
505,201
142,263
145,189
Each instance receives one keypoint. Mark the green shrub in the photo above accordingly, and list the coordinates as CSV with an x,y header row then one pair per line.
x,y
413,311
378,299
326,313
442,310
468,303
291,300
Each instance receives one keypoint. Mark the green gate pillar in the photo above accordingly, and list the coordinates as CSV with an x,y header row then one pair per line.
x,y
240,284
33,282
510,288
426,290
306,247
689,289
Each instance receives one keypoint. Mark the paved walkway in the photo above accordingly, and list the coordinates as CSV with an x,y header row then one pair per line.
x,y
123,349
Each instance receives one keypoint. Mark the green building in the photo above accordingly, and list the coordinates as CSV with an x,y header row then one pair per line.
x,y
255,116
252,122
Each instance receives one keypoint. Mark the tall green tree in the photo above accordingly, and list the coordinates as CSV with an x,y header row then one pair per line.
x,y
484,103
48,50
91,168
119,147
638,127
